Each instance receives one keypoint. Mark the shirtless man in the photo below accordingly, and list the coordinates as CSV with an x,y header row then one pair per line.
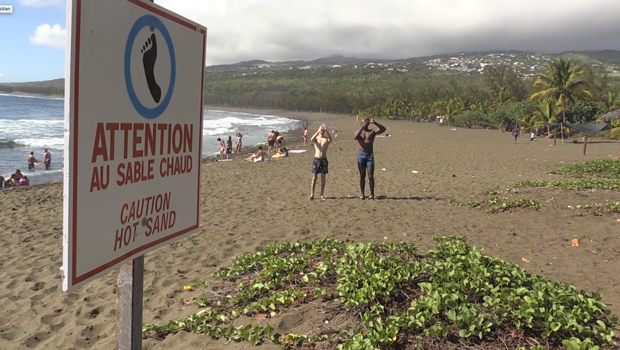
x,y
321,140
305,134
31,161
47,159
238,146
271,141
365,157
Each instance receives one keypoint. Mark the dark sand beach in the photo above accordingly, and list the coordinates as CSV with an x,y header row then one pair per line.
x,y
246,206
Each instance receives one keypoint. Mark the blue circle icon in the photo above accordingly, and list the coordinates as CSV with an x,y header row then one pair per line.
x,y
148,59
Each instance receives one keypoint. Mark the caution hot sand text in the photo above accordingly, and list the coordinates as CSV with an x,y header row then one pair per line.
x,y
148,151
146,216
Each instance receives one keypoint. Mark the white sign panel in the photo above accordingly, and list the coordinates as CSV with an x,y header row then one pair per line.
x,y
133,133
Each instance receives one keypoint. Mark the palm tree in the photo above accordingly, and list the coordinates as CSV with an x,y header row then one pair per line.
x,y
481,106
612,101
563,82
547,112
501,97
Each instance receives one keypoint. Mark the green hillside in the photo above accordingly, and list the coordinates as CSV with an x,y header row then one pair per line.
x,y
349,84
47,87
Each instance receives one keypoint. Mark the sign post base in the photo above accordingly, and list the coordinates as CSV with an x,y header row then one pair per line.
x,y
129,297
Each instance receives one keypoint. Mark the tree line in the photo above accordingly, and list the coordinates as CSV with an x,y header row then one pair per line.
x,y
499,98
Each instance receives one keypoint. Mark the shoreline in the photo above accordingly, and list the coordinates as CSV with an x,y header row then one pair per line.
x,y
293,137
28,94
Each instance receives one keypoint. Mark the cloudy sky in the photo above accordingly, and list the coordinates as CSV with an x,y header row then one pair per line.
x,y
278,30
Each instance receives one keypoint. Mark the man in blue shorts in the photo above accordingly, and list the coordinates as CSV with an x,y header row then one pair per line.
x,y
365,137
321,140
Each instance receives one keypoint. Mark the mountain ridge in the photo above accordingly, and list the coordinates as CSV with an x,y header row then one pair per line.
x,y
606,57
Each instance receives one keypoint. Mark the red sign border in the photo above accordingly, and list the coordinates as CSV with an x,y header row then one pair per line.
x,y
76,73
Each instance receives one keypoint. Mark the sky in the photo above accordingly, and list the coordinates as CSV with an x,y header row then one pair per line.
x,y
33,36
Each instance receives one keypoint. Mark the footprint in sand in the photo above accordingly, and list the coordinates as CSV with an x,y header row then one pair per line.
x,y
149,56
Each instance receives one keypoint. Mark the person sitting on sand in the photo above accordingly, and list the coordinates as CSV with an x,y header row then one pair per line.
x,y
31,161
238,146
24,181
15,177
283,151
2,182
279,142
258,156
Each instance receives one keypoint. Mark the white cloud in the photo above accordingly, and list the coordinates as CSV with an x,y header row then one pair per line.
x,y
47,35
41,3
278,30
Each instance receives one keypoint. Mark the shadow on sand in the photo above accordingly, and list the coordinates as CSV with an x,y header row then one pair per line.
x,y
379,198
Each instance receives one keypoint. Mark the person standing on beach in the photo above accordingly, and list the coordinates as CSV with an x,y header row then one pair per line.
x,y
238,146
31,161
47,159
271,141
222,149
229,145
305,134
321,140
365,137
515,133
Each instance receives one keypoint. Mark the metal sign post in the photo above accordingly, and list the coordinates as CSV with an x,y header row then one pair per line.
x,y
129,303
129,286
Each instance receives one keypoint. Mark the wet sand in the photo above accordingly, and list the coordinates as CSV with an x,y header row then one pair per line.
x,y
246,206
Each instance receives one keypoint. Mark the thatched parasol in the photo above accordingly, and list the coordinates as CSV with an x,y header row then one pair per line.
x,y
613,115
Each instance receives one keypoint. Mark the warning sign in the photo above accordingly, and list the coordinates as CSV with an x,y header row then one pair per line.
x,y
133,120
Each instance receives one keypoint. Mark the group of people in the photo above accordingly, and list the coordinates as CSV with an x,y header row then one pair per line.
x,y
47,160
226,146
275,146
275,142
321,139
365,137
18,178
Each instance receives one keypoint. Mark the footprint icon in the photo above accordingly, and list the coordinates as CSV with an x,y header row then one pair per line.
x,y
149,56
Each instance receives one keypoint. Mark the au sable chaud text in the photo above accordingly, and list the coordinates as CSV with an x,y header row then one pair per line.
x,y
142,144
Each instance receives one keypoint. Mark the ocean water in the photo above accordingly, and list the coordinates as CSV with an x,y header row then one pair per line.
x,y
31,124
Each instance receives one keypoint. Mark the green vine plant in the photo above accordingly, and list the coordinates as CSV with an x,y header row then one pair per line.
x,y
598,175
500,204
393,297
600,168
598,209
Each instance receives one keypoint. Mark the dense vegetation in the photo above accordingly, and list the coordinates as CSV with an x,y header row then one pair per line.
x,y
54,87
386,295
